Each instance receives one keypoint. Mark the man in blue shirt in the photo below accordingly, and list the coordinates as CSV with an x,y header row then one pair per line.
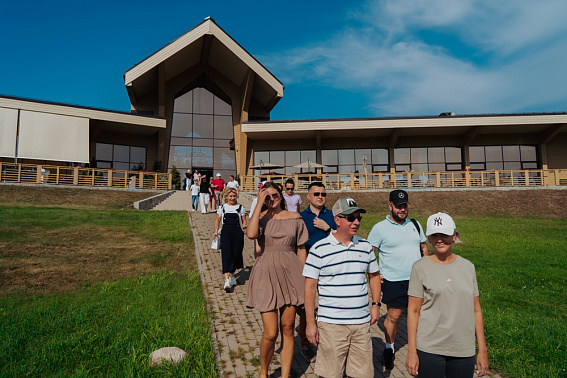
x,y
398,241
319,221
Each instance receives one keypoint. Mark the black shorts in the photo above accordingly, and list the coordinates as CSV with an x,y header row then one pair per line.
x,y
395,293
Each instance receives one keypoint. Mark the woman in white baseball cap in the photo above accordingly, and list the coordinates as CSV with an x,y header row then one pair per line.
x,y
444,313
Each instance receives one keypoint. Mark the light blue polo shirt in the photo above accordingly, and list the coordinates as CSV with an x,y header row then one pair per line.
x,y
398,247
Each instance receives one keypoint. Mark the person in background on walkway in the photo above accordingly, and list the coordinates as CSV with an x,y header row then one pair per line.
x,y
196,177
233,218
255,200
398,241
292,200
444,312
232,183
319,222
336,266
218,190
188,178
195,189
212,206
204,193
276,283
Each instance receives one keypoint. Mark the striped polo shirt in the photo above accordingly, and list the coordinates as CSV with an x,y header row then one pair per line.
x,y
340,271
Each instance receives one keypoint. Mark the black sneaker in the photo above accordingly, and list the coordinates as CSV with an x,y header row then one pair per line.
x,y
308,353
389,358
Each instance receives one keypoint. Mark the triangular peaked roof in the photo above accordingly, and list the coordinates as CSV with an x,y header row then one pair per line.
x,y
206,43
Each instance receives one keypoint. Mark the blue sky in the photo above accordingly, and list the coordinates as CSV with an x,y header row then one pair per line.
x,y
336,59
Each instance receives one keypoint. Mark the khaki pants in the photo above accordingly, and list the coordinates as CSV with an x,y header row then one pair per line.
x,y
344,347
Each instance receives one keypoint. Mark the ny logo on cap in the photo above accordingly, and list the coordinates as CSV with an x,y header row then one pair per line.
x,y
350,202
438,221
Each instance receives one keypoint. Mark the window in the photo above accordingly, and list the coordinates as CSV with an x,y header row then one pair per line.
x,y
513,157
286,159
428,159
120,157
352,160
201,133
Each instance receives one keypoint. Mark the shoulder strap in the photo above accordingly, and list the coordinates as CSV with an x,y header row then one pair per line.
x,y
416,225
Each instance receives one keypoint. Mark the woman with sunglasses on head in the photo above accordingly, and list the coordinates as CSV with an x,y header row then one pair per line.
x,y
444,312
276,282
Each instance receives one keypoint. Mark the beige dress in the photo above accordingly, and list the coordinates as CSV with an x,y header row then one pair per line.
x,y
276,279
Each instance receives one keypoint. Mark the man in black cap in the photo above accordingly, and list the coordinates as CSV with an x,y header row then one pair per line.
x,y
400,242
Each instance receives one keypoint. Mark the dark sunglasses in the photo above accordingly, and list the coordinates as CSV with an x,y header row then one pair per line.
x,y
274,196
351,217
289,188
317,194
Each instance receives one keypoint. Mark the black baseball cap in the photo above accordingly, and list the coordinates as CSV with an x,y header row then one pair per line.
x,y
398,197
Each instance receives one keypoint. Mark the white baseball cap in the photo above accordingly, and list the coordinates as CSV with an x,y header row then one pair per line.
x,y
440,223
218,174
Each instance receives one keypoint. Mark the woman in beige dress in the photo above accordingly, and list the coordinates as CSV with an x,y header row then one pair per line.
x,y
276,283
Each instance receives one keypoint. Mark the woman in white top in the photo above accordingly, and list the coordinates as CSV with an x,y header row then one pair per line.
x,y
444,313
233,217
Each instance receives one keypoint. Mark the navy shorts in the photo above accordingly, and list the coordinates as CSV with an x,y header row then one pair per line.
x,y
395,293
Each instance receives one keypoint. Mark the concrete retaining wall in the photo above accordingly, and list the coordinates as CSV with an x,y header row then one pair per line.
x,y
149,203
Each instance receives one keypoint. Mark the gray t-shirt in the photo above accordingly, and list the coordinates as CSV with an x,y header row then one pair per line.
x,y
446,321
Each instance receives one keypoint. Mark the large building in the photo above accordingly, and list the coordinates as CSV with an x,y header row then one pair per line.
x,y
203,102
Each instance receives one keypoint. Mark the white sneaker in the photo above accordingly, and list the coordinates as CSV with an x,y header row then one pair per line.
x,y
232,280
227,285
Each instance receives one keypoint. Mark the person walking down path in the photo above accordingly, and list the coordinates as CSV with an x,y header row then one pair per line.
x,y
292,200
319,222
204,193
232,183
336,268
444,312
399,242
232,217
276,284
195,189
218,186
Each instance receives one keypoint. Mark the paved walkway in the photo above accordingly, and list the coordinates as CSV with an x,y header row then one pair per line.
x,y
237,329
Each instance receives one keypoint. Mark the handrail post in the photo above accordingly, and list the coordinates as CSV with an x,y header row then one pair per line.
x,y
497,178
58,174
75,175
125,179
156,180
109,177
380,180
467,179
170,181
408,177
527,177
93,177
38,175
438,179
142,180
19,172
1,163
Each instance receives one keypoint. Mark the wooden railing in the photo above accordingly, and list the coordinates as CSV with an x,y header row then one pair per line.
x,y
58,175
450,179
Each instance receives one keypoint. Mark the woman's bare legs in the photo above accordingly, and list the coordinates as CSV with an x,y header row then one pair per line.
x,y
287,321
268,341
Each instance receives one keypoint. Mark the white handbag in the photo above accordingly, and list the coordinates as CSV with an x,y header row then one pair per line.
x,y
215,244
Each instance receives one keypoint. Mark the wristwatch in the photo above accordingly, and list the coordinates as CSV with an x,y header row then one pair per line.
x,y
376,304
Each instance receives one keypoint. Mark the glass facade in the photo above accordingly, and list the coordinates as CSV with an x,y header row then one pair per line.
x,y
513,157
428,159
120,157
352,160
201,133
287,159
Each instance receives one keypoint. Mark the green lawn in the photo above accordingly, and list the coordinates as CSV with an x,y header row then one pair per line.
x,y
107,288
521,266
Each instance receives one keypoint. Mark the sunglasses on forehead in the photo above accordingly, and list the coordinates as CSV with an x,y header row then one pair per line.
x,y
351,217
317,194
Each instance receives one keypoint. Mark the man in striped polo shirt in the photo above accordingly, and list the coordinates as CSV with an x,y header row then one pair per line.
x,y
337,266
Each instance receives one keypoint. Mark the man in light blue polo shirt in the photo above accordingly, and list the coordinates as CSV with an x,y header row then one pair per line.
x,y
400,242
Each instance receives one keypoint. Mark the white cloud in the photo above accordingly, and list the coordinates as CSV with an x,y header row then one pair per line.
x,y
516,48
